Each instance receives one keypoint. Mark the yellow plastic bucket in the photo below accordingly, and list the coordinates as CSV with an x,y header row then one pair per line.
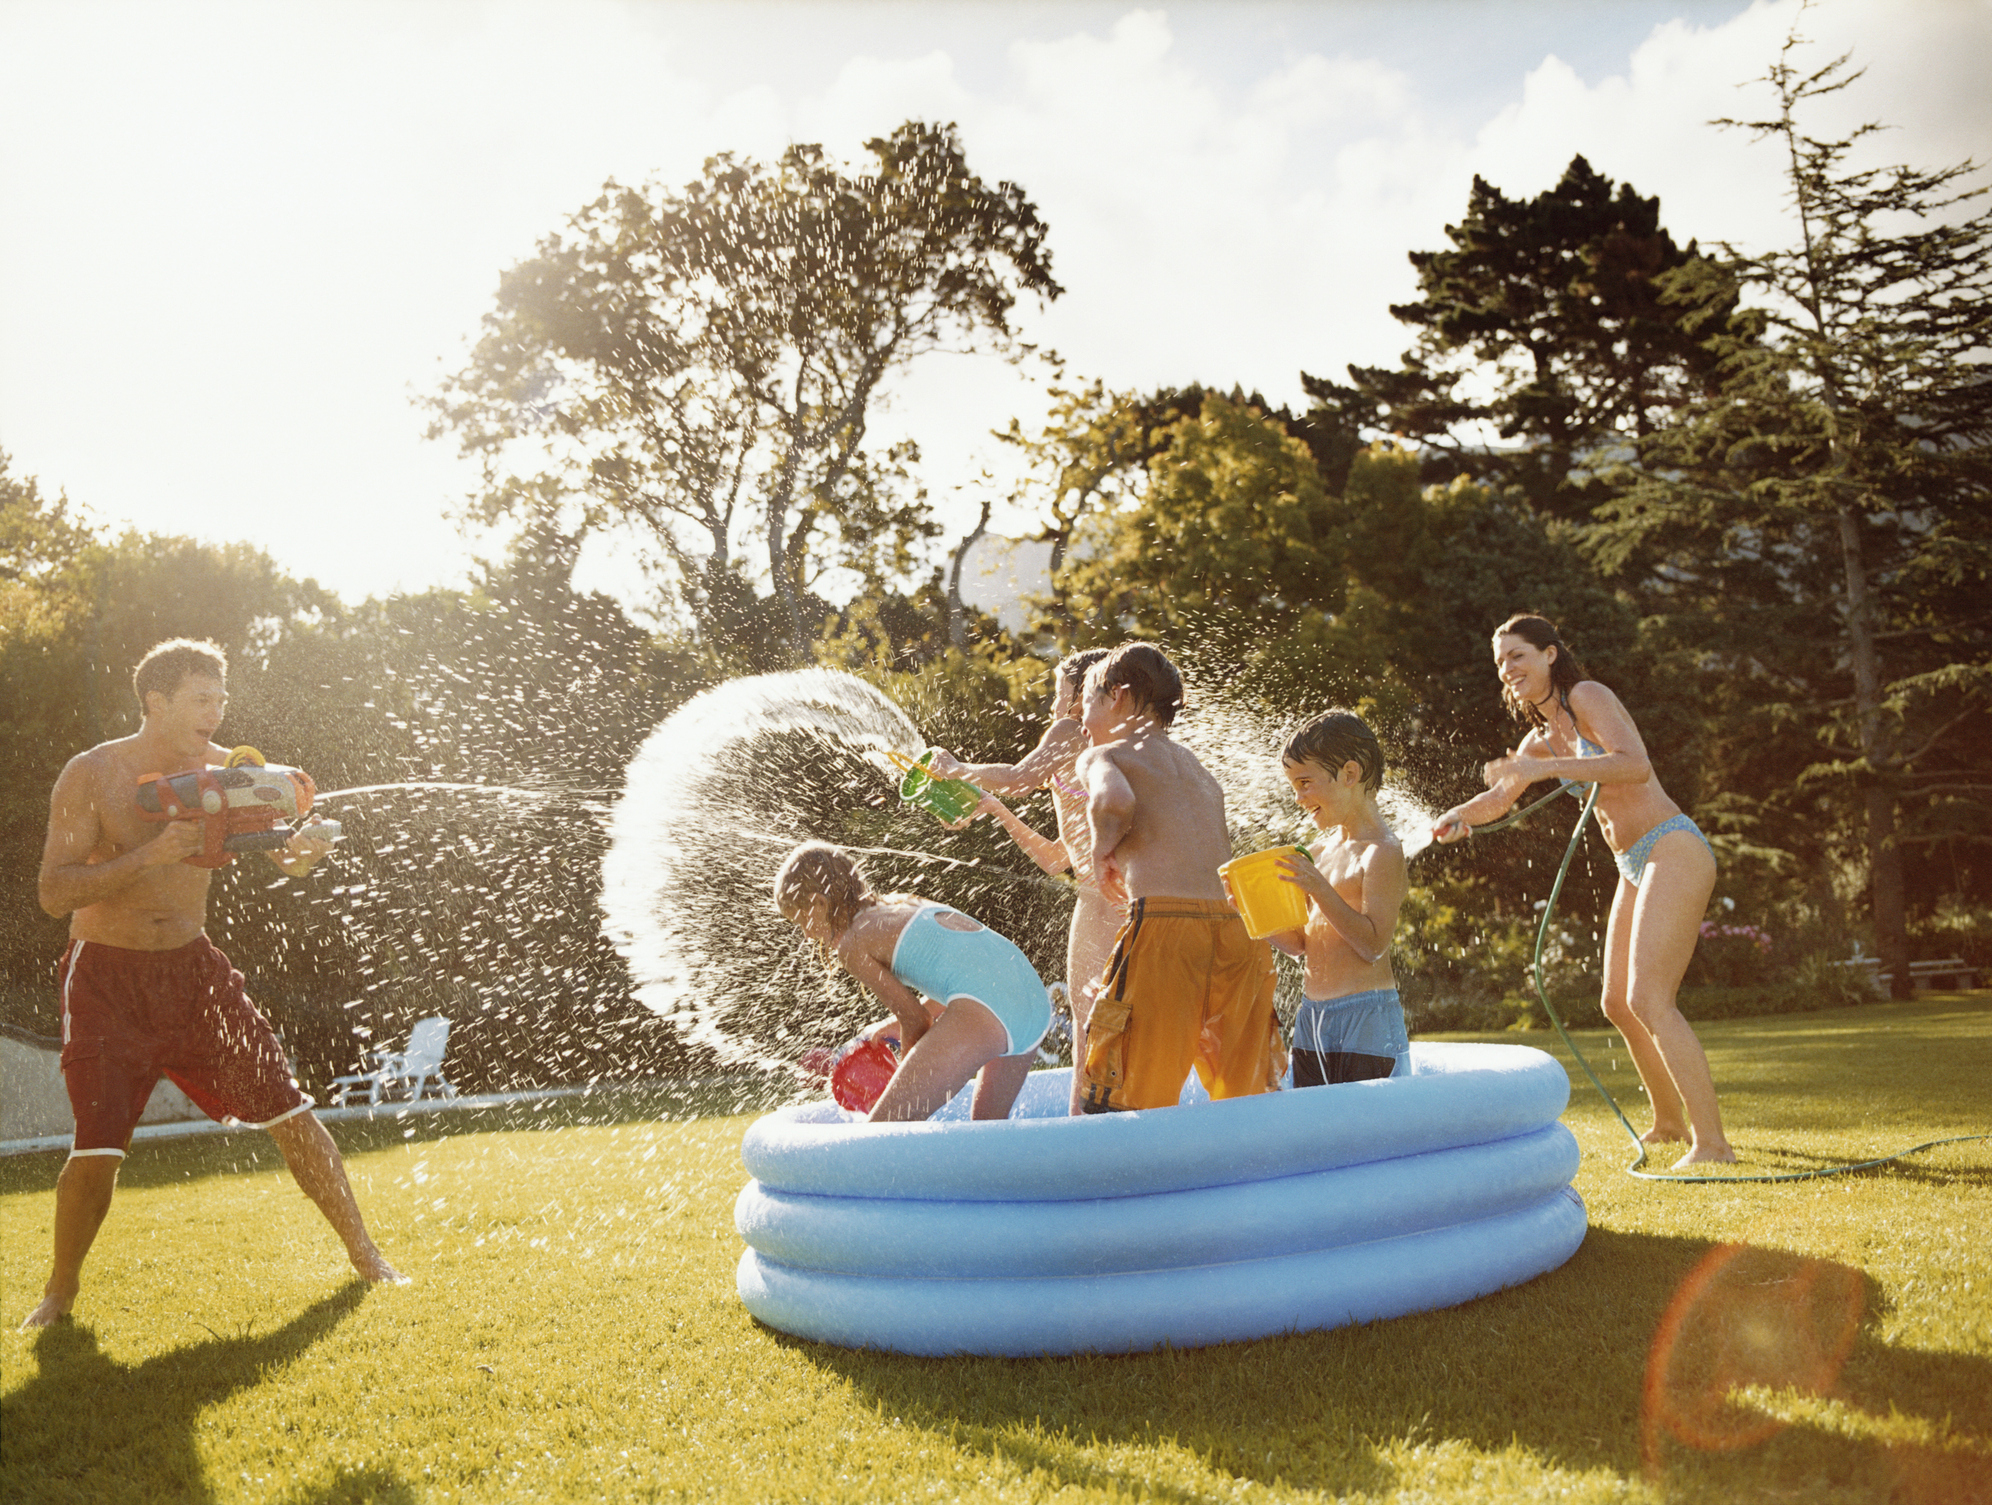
x,y
1265,900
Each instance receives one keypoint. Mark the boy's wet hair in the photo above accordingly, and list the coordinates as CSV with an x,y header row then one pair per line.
x,y
1564,671
1148,675
814,870
1334,738
1073,668
166,664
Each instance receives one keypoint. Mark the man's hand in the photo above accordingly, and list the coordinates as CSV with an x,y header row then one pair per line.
x,y
308,846
176,842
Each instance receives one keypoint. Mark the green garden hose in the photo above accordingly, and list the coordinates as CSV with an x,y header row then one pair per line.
x,y
1633,1169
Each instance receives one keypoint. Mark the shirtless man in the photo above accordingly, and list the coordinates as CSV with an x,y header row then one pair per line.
x,y
1186,985
144,992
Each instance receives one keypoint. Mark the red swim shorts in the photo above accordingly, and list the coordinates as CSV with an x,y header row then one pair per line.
x,y
129,1017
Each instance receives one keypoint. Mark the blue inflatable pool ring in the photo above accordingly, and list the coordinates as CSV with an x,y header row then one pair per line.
x,y
1205,1223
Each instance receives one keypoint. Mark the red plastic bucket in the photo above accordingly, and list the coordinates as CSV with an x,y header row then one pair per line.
x,y
858,1080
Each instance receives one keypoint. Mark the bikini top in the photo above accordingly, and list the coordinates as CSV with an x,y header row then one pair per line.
x,y
1586,748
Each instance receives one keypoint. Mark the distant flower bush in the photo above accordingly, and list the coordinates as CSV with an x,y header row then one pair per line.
x,y
1731,956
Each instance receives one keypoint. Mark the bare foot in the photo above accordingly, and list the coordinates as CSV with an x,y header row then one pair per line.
x,y
1666,1134
374,1266
1715,1154
50,1310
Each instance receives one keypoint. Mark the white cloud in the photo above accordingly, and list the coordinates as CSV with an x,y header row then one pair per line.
x,y
242,234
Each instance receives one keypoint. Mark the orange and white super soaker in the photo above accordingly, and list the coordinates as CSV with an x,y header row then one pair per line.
x,y
246,805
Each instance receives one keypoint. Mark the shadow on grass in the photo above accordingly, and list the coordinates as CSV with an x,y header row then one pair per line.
x,y
1556,1366
89,1428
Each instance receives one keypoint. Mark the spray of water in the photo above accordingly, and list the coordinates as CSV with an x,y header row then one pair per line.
x,y
505,791
712,803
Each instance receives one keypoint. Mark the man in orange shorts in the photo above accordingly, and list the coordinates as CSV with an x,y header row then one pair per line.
x,y
144,992
1186,987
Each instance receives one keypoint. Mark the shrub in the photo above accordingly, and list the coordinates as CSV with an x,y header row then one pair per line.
x,y
1731,956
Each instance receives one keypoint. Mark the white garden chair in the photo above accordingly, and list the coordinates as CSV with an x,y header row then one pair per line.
x,y
395,1074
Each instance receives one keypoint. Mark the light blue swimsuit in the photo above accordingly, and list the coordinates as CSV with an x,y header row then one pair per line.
x,y
1632,862
945,964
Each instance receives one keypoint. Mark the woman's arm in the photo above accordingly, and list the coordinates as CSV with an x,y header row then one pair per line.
x,y
1599,718
1517,771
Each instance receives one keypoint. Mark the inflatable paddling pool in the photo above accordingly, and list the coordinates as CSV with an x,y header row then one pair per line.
x,y
1204,1223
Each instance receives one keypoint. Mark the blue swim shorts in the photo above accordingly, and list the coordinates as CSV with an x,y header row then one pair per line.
x,y
1355,1038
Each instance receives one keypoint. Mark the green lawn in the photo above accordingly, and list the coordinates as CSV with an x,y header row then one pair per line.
x,y
572,1331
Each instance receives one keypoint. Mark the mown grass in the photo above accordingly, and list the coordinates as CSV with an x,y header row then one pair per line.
x,y
572,1332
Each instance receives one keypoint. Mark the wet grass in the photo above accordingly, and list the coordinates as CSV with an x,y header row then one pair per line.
x,y
572,1332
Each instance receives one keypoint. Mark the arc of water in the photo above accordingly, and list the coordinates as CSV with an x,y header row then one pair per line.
x,y
672,802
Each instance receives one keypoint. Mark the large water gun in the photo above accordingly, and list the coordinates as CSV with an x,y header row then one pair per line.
x,y
246,805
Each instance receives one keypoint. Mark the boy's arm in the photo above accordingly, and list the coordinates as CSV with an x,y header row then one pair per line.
x,y
1109,817
1292,942
69,881
1365,931
1060,742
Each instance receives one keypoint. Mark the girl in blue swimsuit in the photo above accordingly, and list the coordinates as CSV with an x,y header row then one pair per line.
x,y
1579,732
964,999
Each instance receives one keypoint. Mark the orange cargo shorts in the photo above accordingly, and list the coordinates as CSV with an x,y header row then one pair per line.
x,y
1186,987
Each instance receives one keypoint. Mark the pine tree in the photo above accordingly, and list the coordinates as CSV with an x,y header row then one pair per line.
x,y
1542,323
1824,510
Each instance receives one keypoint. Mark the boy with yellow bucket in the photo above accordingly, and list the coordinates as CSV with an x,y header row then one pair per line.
x,y
1350,1027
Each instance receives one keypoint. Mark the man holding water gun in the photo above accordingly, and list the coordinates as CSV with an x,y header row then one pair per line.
x,y
144,992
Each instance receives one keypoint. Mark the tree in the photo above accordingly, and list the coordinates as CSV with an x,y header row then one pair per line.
x,y
1545,323
1086,461
1826,507
1230,537
702,364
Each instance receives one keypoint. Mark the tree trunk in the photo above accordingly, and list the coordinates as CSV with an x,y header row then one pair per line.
x,y
1891,937
957,628
778,564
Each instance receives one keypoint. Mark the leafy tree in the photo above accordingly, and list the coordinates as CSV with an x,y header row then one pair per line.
x,y
1543,323
1822,517
1231,535
702,364
1084,462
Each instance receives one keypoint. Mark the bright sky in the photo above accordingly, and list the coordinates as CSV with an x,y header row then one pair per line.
x,y
236,239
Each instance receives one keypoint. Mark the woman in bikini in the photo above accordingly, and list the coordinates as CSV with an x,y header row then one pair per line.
x,y
963,998
1089,943
1578,731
